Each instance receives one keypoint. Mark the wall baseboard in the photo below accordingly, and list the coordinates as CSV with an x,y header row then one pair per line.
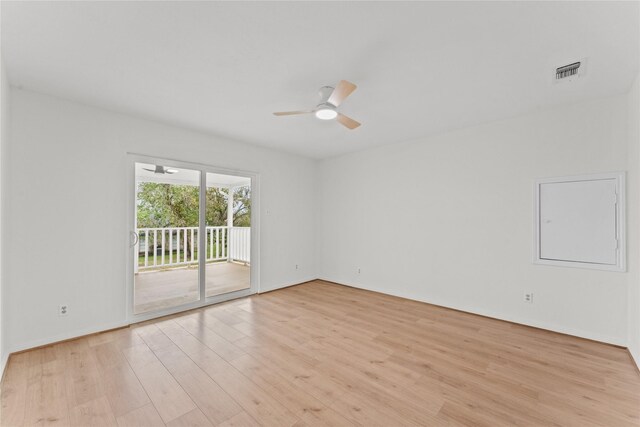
x,y
290,285
634,360
286,285
67,336
4,361
103,328
618,342
538,325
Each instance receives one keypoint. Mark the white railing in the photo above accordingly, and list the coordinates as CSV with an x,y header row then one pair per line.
x,y
175,246
240,244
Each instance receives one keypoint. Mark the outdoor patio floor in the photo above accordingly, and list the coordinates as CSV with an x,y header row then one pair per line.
x,y
156,290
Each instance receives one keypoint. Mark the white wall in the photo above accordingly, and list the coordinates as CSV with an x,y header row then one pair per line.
x,y
448,219
4,140
67,183
634,233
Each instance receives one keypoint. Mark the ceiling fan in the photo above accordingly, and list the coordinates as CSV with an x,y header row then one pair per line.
x,y
162,170
330,100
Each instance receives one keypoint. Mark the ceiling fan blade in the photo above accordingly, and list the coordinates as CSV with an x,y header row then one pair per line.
x,y
291,113
150,170
341,92
347,122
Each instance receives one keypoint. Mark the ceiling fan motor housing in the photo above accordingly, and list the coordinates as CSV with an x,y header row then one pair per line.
x,y
325,106
325,92
325,110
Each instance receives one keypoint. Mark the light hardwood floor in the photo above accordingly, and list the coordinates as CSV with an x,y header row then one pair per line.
x,y
323,354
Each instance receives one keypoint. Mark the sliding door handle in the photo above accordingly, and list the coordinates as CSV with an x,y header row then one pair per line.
x,y
136,238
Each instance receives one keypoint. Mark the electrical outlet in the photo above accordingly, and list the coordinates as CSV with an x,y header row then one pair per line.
x,y
63,309
358,270
296,266
528,297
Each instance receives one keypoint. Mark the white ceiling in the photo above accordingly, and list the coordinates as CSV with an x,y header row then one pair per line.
x,y
421,67
185,176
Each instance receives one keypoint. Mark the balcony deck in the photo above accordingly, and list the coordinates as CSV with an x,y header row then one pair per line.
x,y
156,290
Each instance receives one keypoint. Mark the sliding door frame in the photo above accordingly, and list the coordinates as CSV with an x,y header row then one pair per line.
x,y
132,159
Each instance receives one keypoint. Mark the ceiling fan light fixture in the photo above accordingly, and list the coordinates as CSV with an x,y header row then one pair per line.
x,y
325,113
330,100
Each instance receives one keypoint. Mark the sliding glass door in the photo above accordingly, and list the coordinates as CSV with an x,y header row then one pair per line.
x,y
191,240
167,227
228,220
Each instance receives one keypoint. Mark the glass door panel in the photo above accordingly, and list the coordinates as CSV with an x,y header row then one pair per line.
x,y
166,261
228,230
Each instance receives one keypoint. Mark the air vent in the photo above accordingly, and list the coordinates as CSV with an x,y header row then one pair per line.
x,y
569,70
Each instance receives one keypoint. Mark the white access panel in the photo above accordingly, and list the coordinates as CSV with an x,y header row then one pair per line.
x,y
579,221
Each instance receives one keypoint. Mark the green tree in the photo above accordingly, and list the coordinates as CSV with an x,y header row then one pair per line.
x,y
167,205
242,207
170,205
216,207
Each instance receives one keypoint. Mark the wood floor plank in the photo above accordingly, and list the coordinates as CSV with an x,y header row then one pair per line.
x,y
285,361
82,377
121,338
14,391
225,331
193,418
121,386
360,410
92,413
241,420
325,417
254,400
46,399
224,348
212,400
145,416
170,400
323,354
295,398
